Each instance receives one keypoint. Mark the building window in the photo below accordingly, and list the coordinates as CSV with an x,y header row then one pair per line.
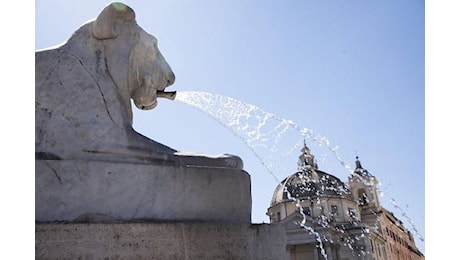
x,y
352,213
334,210
306,211
362,197
278,216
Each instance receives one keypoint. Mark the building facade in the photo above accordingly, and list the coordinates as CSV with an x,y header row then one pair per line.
x,y
400,241
325,218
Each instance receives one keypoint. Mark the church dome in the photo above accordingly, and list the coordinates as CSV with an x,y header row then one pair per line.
x,y
307,186
309,183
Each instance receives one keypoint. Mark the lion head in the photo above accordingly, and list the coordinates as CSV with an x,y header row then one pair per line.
x,y
148,73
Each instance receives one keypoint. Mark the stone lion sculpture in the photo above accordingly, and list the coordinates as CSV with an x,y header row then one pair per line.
x,y
84,89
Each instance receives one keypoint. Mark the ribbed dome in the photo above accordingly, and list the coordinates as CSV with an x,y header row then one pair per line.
x,y
310,185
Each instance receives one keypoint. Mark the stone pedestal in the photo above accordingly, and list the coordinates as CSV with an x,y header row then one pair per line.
x,y
97,191
108,210
160,241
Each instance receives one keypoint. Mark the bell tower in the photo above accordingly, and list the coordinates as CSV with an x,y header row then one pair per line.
x,y
363,186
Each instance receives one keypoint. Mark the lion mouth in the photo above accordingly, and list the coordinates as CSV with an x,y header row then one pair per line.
x,y
143,104
166,94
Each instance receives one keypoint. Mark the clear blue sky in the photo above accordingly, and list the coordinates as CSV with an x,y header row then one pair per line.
x,y
351,71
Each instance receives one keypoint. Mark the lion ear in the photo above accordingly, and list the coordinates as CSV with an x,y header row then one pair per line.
x,y
104,25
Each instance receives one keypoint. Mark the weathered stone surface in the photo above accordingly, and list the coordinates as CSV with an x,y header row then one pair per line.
x,y
104,191
84,88
97,191
160,241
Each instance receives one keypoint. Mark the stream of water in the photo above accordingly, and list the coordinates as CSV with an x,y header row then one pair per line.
x,y
272,139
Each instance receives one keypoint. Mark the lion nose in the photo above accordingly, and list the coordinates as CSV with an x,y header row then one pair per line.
x,y
171,78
